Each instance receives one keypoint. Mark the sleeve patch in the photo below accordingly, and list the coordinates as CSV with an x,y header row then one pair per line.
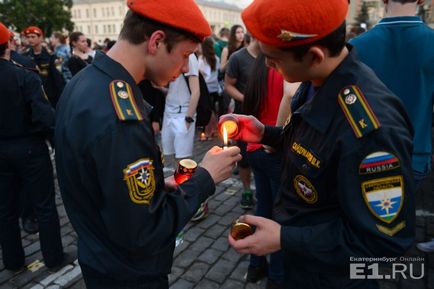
x,y
357,111
384,197
140,180
123,101
378,162
391,231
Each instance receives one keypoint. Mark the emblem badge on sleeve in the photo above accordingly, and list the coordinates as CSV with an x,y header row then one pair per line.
x,y
378,162
384,197
140,179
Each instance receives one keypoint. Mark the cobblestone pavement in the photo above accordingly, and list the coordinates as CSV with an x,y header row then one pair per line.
x,y
204,259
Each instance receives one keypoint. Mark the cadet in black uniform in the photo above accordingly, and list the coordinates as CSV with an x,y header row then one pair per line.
x,y
109,167
51,77
347,188
26,121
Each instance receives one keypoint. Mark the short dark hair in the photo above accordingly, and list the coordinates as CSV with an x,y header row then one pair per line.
x,y
224,32
60,36
74,36
3,48
334,43
137,29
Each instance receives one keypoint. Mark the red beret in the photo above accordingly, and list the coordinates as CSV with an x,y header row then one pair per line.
x,y
4,34
34,30
181,14
292,23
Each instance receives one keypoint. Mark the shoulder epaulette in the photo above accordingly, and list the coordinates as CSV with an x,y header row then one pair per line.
x,y
123,101
25,67
357,111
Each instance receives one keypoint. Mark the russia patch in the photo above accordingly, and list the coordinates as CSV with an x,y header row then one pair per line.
x,y
378,162
140,180
384,197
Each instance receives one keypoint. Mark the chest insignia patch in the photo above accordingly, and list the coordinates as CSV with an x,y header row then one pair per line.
x,y
298,149
123,101
378,162
140,180
357,111
384,197
305,189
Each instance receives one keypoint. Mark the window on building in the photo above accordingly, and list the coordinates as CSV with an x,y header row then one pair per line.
x,y
79,13
96,29
104,29
94,12
103,12
87,13
121,11
113,11
114,28
109,29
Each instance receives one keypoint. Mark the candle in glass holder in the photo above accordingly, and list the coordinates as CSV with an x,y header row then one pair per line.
x,y
185,170
230,123
240,230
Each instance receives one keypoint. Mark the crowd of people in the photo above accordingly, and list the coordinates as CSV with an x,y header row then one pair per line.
x,y
337,142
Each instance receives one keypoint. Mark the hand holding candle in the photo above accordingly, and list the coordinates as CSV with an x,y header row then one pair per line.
x,y
242,127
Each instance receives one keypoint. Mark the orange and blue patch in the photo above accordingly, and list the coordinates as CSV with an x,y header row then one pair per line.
x,y
378,162
384,197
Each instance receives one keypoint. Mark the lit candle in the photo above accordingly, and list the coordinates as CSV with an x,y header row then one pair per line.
x,y
230,123
185,170
202,136
225,137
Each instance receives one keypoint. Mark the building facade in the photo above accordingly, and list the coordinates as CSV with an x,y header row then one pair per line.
x,y
376,11
101,19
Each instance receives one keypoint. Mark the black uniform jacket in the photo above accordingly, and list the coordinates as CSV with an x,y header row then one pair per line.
x,y
347,189
24,109
52,79
111,177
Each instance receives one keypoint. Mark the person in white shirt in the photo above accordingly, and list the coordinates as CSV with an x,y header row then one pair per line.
x,y
209,65
177,134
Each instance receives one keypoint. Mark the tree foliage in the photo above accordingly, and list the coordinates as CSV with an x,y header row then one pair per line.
x,y
363,16
49,15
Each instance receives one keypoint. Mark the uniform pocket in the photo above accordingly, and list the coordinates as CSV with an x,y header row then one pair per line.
x,y
306,160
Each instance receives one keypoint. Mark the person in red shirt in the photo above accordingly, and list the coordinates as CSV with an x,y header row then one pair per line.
x,y
262,99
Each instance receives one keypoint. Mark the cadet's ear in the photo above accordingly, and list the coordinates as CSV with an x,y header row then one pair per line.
x,y
317,55
155,41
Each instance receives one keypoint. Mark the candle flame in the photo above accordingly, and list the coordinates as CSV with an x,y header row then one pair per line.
x,y
225,136
202,136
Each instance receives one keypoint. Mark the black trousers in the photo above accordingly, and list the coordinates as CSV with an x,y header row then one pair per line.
x,y
25,165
